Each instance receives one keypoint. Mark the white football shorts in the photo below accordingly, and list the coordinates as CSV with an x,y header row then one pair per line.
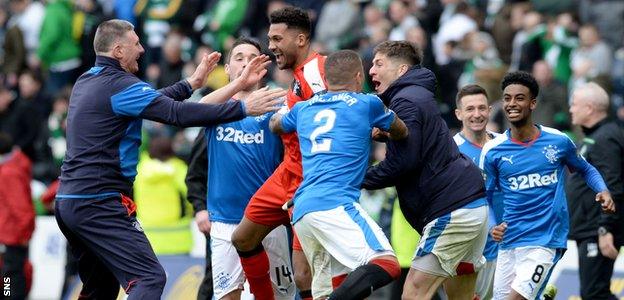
x,y
227,272
526,270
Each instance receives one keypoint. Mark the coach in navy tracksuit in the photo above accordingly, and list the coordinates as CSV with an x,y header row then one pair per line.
x,y
106,108
431,176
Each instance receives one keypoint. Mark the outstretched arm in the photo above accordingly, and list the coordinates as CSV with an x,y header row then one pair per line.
x,y
252,74
183,89
593,178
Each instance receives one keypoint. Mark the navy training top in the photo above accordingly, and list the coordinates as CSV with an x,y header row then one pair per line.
x,y
104,122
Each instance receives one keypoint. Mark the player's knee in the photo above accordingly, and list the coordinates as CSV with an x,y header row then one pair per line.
x,y
238,242
242,243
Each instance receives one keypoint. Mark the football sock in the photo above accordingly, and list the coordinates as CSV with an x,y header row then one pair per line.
x,y
367,278
255,264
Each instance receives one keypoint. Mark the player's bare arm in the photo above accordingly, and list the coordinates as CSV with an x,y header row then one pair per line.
x,y
266,94
253,73
275,124
398,130
606,201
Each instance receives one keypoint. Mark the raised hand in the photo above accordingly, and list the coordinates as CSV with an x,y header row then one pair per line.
x,y
206,66
254,71
264,100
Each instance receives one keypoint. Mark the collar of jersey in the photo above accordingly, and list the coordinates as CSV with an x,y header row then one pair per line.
x,y
312,56
528,143
104,61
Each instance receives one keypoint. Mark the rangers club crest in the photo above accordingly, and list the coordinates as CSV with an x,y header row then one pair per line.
x,y
550,152
223,280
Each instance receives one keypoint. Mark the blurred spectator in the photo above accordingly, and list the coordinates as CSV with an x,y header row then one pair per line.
x,y
58,50
17,217
88,16
7,104
493,9
592,229
124,9
505,25
607,16
374,19
169,70
57,122
400,15
13,53
552,101
592,60
553,7
418,37
219,24
157,17
618,84
528,24
28,16
448,76
376,30
485,68
428,14
455,23
552,43
160,196
21,117
338,25
280,78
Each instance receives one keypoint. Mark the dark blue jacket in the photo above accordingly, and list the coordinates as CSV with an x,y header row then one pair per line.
x,y
431,176
104,122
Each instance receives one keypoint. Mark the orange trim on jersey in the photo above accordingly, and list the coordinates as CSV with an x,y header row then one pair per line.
x,y
528,143
301,90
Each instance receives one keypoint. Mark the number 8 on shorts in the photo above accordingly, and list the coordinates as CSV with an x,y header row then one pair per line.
x,y
526,270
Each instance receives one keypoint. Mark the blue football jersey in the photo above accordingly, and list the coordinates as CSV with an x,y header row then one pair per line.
x,y
334,131
495,203
241,156
531,178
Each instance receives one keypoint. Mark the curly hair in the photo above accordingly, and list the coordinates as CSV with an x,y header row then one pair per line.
x,y
293,17
521,78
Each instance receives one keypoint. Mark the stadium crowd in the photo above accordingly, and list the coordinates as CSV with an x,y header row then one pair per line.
x,y
46,45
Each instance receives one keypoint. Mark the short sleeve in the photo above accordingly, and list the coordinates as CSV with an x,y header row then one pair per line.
x,y
289,121
379,115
